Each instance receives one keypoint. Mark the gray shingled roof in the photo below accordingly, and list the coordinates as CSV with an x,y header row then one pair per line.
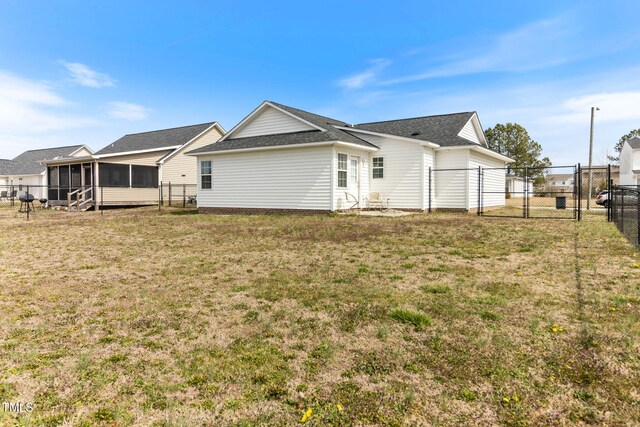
x,y
442,129
634,143
5,166
156,139
276,140
27,163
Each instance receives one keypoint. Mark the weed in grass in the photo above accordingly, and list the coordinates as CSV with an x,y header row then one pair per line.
x,y
382,332
441,268
467,395
490,315
418,320
435,289
364,269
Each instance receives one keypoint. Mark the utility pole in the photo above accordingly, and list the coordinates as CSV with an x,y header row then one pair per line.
x,y
593,114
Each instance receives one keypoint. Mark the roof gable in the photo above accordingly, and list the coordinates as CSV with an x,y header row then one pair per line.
x,y
28,163
155,140
269,120
634,143
472,131
442,129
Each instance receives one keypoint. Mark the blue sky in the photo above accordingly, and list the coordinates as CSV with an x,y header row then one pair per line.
x,y
90,71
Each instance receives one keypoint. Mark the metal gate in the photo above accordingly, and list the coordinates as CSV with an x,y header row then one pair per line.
x,y
555,192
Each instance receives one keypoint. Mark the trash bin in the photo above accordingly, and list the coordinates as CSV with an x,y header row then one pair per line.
x,y
561,202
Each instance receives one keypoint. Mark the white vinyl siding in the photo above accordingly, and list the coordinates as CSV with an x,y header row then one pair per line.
x,y
469,132
271,121
493,181
82,152
182,169
451,189
292,178
403,172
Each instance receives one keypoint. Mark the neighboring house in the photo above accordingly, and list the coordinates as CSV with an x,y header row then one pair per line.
x,y
559,182
515,186
630,162
280,158
27,169
129,170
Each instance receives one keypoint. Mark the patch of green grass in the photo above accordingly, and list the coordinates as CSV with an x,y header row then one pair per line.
x,y
435,289
418,320
467,395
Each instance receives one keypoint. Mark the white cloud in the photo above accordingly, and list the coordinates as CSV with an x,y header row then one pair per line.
x,y
85,76
534,46
128,111
28,107
366,77
614,106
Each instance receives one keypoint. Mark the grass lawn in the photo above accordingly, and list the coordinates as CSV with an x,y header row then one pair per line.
x,y
141,318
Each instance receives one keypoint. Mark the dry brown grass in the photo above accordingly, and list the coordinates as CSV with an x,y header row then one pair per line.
x,y
141,318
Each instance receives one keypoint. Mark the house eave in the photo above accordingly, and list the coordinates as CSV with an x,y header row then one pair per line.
x,y
271,147
480,149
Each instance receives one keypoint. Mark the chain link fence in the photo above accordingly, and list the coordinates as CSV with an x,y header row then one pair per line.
x,y
625,211
31,201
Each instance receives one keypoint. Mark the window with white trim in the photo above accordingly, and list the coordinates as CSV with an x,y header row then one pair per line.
x,y
205,174
378,167
342,170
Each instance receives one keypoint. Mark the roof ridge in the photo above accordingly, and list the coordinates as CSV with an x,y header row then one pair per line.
x,y
173,128
418,117
52,148
306,112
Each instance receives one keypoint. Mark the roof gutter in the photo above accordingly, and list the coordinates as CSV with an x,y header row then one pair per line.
x,y
278,147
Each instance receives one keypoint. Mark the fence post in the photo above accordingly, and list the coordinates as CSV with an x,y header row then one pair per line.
x,y
429,189
27,198
622,211
101,201
479,190
525,213
637,218
169,193
609,185
579,192
184,196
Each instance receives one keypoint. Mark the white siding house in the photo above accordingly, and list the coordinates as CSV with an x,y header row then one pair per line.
x,y
282,158
630,162
130,170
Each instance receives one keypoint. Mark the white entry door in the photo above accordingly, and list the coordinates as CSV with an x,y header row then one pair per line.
x,y
354,178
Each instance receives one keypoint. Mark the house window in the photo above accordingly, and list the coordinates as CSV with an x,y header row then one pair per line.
x,y
113,175
342,170
205,174
378,167
144,176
